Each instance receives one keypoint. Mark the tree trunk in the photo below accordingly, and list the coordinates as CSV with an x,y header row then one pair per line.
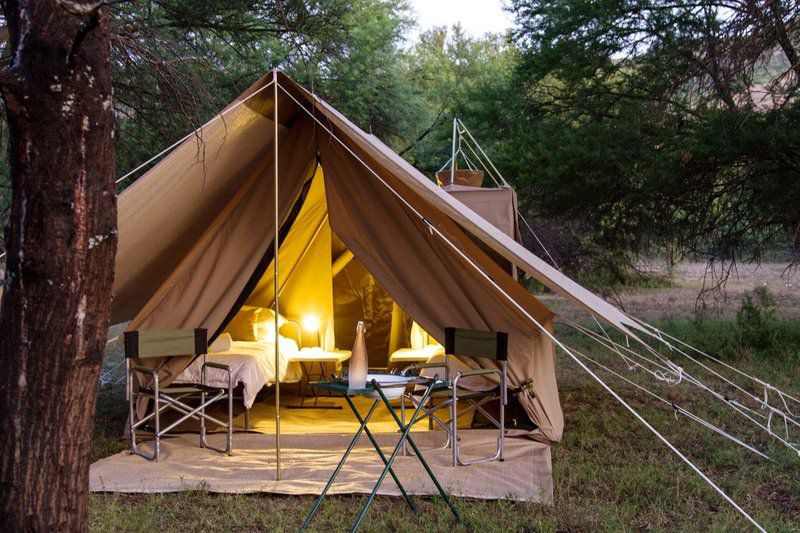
x,y
61,243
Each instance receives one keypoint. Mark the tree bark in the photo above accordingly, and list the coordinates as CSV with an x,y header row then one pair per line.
x,y
61,243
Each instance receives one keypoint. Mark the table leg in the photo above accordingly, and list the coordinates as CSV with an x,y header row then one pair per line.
x,y
304,380
322,377
407,436
383,457
339,466
404,435
305,384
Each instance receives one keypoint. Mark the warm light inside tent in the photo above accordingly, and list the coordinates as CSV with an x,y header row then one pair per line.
x,y
311,323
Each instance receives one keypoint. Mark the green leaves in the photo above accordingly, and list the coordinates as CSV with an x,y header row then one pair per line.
x,y
652,127
626,126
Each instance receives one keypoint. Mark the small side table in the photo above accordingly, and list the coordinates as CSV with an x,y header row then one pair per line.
x,y
321,357
372,389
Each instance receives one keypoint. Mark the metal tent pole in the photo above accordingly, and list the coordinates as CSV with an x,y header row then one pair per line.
x,y
478,146
276,285
453,158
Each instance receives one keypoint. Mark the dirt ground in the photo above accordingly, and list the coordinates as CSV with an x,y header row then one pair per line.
x,y
683,293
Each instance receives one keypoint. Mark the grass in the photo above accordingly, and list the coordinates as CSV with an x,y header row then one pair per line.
x,y
757,334
609,472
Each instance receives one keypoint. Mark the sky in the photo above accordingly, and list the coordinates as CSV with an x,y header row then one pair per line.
x,y
476,16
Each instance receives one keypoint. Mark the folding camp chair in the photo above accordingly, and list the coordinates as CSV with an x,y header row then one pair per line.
x,y
477,345
166,344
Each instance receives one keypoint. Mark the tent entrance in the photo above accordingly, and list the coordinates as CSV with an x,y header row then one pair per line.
x,y
323,285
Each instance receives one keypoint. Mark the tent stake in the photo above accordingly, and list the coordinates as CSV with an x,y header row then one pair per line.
x,y
275,263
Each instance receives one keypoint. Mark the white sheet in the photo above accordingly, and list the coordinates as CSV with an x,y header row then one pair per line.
x,y
252,364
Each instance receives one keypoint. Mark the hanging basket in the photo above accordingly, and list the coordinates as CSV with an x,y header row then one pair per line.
x,y
470,178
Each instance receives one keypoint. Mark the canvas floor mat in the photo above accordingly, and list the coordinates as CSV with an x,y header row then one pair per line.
x,y
308,461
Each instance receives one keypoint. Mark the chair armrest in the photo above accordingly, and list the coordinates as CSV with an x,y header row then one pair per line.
x,y
152,372
478,372
144,370
220,366
417,366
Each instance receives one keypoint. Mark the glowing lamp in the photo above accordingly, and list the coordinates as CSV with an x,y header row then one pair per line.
x,y
311,323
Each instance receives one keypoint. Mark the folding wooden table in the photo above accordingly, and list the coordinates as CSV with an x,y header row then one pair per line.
x,y
373,389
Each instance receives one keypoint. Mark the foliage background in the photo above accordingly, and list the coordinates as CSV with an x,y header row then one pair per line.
x,y
629,129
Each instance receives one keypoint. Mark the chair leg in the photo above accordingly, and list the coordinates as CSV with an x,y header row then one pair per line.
x,y
431,405
498,455
132,427
502,428
157,441
430,414
230,421
454,426
132,430
203,419
503,403
247,419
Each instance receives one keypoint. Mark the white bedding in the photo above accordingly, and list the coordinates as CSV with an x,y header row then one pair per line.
x,y
252,364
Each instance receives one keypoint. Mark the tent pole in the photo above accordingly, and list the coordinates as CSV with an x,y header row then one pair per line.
x,y
275,271
340,262
453,158
480,149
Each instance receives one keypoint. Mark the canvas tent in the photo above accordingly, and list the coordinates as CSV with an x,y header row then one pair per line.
x,y
196,238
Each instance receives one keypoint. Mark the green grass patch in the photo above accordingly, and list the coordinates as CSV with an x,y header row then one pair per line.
x,y
756,335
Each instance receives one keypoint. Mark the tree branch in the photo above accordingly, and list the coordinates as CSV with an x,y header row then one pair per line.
x,y
84,9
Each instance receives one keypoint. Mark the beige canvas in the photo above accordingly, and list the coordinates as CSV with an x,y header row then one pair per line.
x,y
496,206
308,460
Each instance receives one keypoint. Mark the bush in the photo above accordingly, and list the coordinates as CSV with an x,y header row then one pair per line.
x,y
756,324
756,332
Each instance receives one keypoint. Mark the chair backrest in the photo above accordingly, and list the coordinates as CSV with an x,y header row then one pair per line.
x,y
166,343
476,343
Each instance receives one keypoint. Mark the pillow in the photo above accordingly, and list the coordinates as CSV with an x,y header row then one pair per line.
x,y
223,343
265,327
243,325
433,350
